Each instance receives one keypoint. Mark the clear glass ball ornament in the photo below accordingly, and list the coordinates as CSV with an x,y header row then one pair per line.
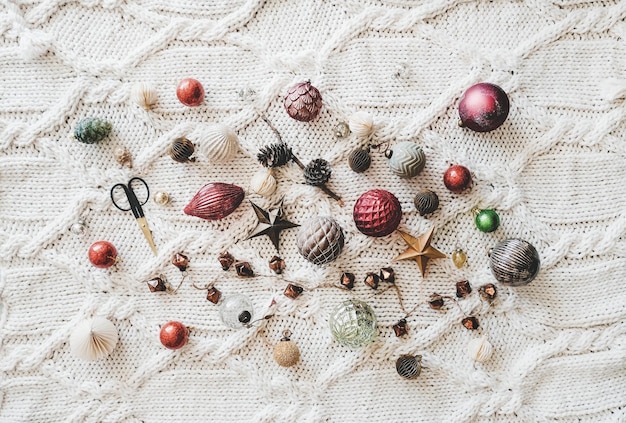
x,y
236,311
353,324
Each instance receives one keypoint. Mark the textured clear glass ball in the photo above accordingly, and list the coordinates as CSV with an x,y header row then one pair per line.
x,y
353,324
236,311
342,130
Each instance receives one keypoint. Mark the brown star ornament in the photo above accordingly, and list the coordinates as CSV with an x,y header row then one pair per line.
x,y
419,249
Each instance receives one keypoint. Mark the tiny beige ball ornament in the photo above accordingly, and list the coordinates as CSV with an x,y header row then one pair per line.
x,y
361,124
144,95
93,339
218,142
263,183
480,349
286,352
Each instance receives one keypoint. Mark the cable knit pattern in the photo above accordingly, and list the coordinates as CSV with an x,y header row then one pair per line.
x,y
553,171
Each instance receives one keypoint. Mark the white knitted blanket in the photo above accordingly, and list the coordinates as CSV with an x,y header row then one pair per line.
x,y
554,172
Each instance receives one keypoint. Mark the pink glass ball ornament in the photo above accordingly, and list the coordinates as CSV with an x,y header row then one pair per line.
x,y
483,107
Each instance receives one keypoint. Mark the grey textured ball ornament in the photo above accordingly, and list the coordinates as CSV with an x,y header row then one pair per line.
x,y
320,240
92,129
409,366
514,262
406,159
426,202
360,160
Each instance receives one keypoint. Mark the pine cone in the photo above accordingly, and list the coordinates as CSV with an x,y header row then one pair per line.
x,y
303,102
275,155
317,172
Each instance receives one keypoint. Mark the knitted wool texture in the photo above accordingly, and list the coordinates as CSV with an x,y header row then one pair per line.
x,y
553,171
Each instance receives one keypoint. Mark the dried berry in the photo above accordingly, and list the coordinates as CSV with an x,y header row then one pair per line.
x,y
213,295
157,285
387,275
372,280
347,280
244,269
470,323
436,301
293,291
226,260
181,261
400,328
488,292
277,265
463,289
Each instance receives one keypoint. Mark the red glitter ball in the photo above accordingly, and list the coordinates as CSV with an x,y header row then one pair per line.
x,y
483,107
377,213
102,254
174,335
190,92
457,178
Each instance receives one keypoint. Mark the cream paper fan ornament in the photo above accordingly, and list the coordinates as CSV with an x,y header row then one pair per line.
x,y
480,349
361,124
144,95
93,339
219,143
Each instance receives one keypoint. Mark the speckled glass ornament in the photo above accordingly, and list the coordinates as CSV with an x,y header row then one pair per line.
x,y
161,198
483,107
90,130
406,159
353,324
514,262
320,240
236,311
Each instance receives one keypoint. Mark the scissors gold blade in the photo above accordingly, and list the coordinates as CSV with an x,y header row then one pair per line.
x,y
134,205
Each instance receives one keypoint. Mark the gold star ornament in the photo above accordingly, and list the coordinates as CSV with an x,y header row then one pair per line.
x,y
419,249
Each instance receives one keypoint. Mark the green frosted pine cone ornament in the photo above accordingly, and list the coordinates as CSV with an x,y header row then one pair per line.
x,y
92,130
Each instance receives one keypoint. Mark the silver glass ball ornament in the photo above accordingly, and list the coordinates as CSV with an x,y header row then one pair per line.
x,y
353,324
236,311
514,262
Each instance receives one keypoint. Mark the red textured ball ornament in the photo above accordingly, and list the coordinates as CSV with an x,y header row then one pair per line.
x,y
303,102
377,213
190,92
102,254
483,107
174,335
457,178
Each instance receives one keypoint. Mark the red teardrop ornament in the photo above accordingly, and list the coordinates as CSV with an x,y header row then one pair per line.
x,y
215,201
377,213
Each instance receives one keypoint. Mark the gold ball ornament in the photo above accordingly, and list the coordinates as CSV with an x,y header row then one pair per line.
x,y
286,352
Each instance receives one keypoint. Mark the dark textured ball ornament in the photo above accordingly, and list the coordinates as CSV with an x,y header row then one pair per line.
x,y
487,220
457,178
483,107
426,202
409,366
174,335
377,213
181,150
514,262
360,160
303,102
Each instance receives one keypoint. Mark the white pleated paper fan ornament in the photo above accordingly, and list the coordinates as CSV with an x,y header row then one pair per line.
x,y
93,339
218,142
263,183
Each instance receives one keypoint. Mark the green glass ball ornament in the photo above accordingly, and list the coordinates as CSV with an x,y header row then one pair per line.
x,y
487,220
92,129
353,324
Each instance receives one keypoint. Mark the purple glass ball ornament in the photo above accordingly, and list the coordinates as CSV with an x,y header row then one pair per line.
x,y
483,107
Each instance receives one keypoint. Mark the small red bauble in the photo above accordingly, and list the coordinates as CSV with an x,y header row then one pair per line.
x,y
102,254
457,178
174,335
483,107
377,213
190,92
303,102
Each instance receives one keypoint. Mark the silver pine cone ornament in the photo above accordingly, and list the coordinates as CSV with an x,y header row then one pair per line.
x,y
317,172
303,102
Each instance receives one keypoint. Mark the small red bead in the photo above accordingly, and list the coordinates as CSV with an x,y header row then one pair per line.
x,y
457,178
102,254
174,335
483,107
190,92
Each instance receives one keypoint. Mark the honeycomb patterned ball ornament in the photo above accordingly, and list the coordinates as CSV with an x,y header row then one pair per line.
x,y
353,324
377,213
406,159
320,240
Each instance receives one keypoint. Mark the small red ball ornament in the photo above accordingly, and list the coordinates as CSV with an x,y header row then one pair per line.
x,y
457,178
102,254
483,107
174,335
190,92
377,213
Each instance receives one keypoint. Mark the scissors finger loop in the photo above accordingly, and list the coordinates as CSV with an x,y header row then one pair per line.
x,y
125,192
130,186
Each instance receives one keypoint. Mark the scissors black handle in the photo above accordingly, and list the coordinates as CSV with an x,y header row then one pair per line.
x,y
133,202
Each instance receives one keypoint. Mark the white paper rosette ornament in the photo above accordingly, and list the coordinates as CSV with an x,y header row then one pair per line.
x,y
93,339
218,142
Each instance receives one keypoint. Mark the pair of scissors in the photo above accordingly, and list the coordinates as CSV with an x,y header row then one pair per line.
x,y
125,199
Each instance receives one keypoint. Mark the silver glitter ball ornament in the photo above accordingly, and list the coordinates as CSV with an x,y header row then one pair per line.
x,y
406,159
514,262
342,130
236,311
320,240
353,324
409,366
78,228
